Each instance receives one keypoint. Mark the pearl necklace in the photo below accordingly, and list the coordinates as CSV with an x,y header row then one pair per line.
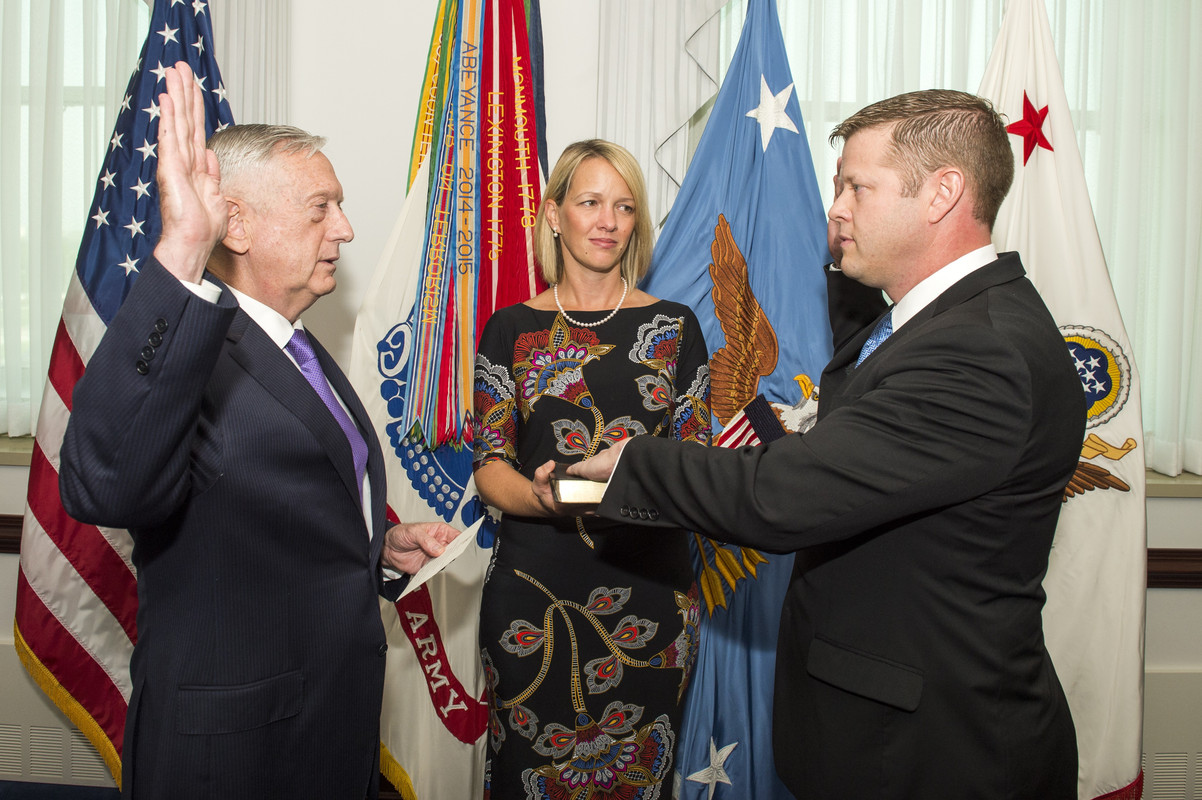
x,y
608,317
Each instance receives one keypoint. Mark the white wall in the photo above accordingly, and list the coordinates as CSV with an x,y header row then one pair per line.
x,y
1171,639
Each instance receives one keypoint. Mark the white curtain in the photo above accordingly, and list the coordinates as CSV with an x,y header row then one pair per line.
x,y
254,45
1133,75
58,96
64,67
659,64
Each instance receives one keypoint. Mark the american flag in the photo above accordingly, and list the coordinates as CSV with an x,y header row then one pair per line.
x,y
76,591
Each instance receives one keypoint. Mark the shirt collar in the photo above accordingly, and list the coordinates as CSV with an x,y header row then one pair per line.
x,y
935,284
273,323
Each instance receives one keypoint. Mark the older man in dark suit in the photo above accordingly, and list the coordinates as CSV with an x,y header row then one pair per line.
x,y
922,504
236,452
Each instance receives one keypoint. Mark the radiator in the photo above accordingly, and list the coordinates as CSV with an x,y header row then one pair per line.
x,y
1173,736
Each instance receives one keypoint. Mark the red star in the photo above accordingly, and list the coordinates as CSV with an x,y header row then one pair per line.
x,y
1030,127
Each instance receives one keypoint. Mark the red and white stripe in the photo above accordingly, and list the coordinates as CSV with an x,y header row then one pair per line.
x,y
76,591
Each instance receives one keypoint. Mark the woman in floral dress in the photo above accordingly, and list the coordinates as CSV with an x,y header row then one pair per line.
x,y
588,629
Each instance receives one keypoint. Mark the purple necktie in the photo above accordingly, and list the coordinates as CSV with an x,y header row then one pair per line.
x,y
302,351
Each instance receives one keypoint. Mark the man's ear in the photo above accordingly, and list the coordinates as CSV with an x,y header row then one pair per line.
x,y
237,230
949,190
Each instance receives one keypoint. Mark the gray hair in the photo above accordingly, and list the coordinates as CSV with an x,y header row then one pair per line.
x,y
245,148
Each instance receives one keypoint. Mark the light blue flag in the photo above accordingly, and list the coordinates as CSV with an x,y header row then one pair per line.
x,y
750,197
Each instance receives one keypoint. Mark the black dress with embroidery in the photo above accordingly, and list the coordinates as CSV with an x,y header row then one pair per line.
x,y
588,628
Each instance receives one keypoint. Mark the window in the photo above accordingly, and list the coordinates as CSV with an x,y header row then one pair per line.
x,y
62,72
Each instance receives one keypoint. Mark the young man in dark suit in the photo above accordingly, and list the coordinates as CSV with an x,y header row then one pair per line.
x,y
235,451
923,503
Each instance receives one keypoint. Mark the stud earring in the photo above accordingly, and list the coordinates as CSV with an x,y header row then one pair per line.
x,y
555,233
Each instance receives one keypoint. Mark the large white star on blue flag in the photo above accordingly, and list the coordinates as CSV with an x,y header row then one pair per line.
x,y
715,773
771,112
765,202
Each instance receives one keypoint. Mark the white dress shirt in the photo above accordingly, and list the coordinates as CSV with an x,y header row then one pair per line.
x,y
929,288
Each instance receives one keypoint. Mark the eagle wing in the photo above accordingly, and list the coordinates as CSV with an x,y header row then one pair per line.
x,y
750,351
1087,477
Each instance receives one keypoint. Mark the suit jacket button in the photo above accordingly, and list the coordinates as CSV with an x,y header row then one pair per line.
x,y
142,367
160,325
624,511
382,649
644,514
147,353
155,339
654,515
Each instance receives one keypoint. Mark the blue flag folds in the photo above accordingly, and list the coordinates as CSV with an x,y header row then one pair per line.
x,y
745,246
753,166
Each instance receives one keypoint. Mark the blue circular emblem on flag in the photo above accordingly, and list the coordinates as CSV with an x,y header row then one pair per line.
x,y
1104,370
440,476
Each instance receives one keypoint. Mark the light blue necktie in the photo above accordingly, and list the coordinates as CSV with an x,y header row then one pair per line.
x,y
882,331
302,351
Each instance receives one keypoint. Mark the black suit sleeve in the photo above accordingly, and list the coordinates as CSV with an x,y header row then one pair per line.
x,y
125,453
390,588
941,424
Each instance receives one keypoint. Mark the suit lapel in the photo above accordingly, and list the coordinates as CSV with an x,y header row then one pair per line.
x,y
838,371
846,355
841,366
254,350
1006,268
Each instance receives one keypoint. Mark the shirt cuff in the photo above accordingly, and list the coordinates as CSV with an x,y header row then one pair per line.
x,y
205,290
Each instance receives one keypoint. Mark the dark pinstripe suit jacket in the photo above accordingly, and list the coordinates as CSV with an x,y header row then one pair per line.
x,y
922,507
259,665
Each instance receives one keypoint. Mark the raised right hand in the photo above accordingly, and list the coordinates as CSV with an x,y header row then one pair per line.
x,y
193,210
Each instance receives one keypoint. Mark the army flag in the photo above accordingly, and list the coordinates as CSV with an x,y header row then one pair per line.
x,y
461,248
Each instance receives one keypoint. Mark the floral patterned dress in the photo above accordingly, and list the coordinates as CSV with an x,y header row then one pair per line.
x,y
588,628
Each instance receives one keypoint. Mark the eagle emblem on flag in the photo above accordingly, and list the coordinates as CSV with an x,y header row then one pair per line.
x,y
750,352
1105,374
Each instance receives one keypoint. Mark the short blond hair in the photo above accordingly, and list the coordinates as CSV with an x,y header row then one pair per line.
x,y
637,258
939,128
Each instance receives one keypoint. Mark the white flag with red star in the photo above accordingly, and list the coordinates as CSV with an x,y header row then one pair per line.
x,y
1097,573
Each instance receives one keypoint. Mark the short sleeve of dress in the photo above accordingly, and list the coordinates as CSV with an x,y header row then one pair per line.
x,y
494,396
691,404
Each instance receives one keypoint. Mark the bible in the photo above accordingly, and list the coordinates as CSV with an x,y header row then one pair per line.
x,y
571,490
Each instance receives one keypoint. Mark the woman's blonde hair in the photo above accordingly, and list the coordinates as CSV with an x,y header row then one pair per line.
x,y
637,257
